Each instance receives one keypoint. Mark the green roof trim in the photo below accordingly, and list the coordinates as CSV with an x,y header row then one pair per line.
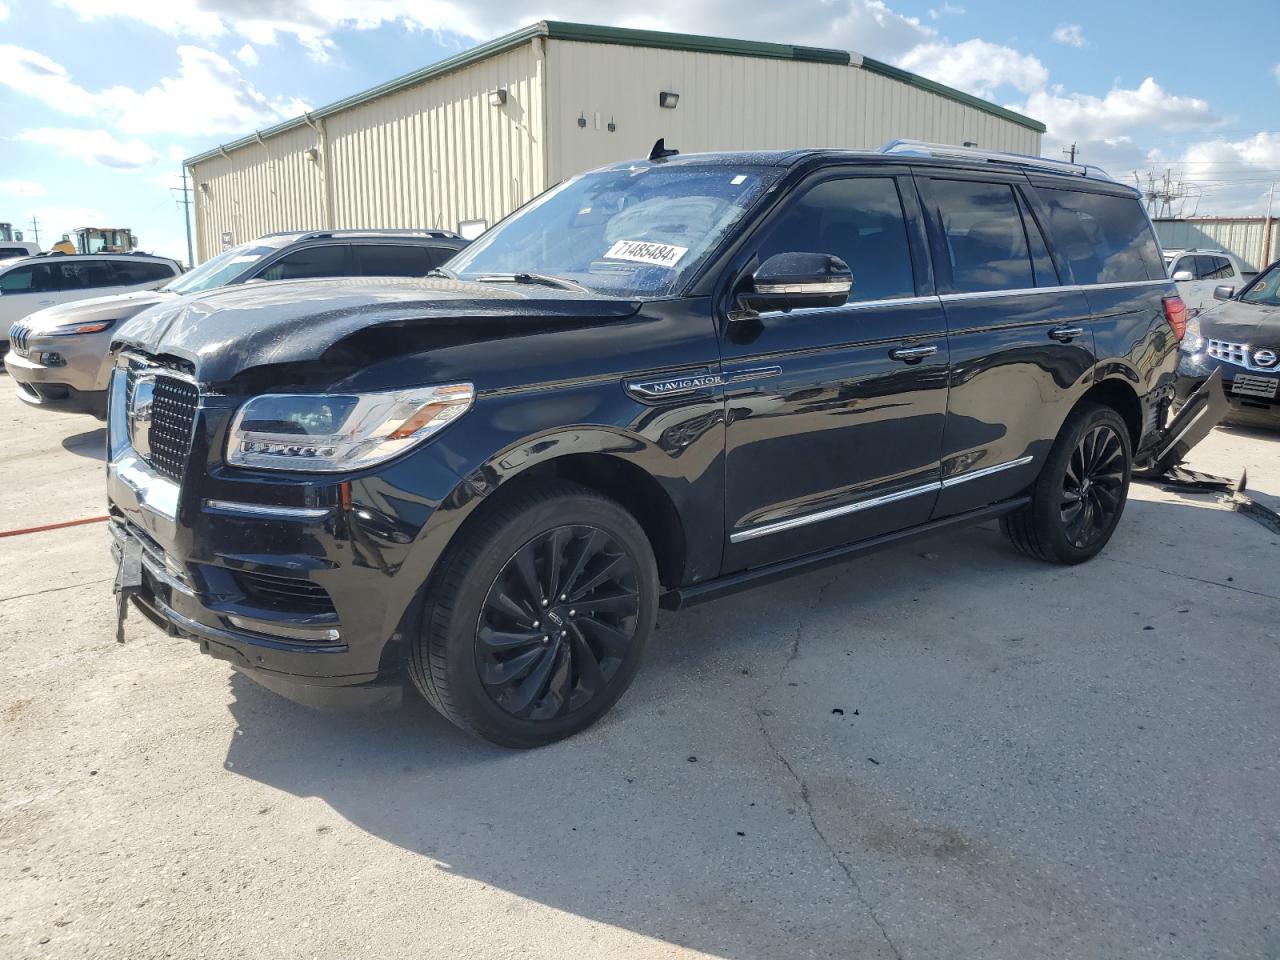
x,y
942,90
624,36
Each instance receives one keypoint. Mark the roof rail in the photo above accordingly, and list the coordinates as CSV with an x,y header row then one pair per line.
x,y
921,148
364,231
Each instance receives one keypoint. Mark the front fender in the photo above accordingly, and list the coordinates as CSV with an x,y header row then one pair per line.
x,y
677,445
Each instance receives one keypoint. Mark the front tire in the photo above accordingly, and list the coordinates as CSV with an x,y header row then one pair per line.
x,y
1079,497
537,620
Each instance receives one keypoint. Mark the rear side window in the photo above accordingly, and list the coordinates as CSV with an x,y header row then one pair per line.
x,y
858,220
141,271
1213,268
326,261
1106,239
37,278
390,260
86,275
14,252
986,239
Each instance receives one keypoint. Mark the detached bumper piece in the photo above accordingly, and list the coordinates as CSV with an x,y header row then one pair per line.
x,y
1202,411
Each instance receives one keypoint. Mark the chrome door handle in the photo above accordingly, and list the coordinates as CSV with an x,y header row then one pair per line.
x,y
1066,334
43,303
912,354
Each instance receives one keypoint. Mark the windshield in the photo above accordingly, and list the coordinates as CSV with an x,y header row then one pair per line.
x,y
632,232
1266,289
221,270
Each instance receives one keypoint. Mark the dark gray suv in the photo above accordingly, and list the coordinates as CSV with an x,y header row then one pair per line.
x,y
58,355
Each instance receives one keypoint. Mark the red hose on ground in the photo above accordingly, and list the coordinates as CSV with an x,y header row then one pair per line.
x,y
51,526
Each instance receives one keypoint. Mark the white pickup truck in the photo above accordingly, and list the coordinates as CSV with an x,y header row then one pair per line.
x,y
1197,272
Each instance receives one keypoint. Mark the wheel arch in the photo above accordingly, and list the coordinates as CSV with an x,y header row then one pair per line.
x,y
1118,394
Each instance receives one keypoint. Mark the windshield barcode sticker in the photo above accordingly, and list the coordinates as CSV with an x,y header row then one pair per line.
x,y
642,251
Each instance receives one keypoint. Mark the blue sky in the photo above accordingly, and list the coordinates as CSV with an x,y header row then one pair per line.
x,y
100,101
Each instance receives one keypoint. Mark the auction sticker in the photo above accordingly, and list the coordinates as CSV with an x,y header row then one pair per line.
x,y
642,251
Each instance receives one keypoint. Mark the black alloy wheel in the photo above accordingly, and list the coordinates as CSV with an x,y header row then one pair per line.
x,y
1080,494
537,617
557,623
1093,486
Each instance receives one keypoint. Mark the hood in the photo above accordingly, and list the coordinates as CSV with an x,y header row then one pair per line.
x,y
120,306
226,331
1239,322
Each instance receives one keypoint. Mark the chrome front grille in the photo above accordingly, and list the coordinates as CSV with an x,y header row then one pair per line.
x,y
1243,355
173,417
19,337
1229,351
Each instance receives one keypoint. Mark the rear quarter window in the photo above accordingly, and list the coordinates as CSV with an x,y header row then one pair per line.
x,y
1105,239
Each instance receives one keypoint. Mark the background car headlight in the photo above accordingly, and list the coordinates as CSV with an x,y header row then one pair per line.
x,y
71,329
330,432
1192,340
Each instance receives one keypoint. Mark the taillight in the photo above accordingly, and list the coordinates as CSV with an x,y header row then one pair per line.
x,y
1175,311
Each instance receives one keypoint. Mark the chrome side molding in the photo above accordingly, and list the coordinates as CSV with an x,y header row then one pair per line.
x,y
791,523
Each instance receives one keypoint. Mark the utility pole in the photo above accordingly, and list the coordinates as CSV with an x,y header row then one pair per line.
x,y
1071,152
35,229
186,203
1266,231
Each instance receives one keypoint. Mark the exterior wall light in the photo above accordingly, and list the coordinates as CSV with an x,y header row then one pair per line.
x,y
668,100
498,98
312,154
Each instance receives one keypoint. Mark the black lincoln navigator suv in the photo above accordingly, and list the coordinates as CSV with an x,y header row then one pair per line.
x,y
656,383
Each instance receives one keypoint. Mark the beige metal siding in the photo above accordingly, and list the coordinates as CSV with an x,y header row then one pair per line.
x,y
267,186
427,156
1243,236
740,103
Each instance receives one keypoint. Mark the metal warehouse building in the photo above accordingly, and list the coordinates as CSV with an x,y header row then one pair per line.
x,y
460,144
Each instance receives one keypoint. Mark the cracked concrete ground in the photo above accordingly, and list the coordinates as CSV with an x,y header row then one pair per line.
x,y
945,750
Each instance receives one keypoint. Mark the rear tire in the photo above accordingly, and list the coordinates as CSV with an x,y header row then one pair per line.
x,y
1079,497
537,619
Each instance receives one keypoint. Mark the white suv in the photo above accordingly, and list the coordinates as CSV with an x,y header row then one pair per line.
x,y
33,283
1197,272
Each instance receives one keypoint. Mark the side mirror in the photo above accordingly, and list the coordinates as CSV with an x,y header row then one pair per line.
x,y
1181,276
789,280
1224,292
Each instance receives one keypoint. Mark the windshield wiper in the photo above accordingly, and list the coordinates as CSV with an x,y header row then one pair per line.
x,y
541,279
442,272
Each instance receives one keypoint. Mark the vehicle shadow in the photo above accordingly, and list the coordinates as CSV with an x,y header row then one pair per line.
x,y
90,443
672,817
728,804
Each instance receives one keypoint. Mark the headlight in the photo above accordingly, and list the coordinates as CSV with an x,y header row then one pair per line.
x,y
1192,341
70,329
328,432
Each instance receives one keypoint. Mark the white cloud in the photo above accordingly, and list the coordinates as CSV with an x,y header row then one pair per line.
x,y
93,146
976,66
1069,34
22,188
946,10
1121,113
1224,176
1276,70
208,96
4,12
865,25
35,75
247,55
